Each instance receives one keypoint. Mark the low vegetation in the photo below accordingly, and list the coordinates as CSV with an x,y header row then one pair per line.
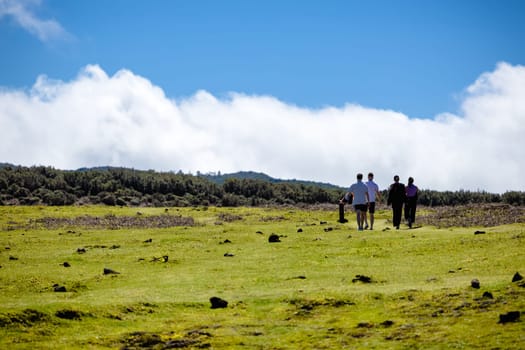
x,y
129,187
104,277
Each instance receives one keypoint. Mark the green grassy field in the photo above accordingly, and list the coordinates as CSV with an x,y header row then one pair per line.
x,y
300,293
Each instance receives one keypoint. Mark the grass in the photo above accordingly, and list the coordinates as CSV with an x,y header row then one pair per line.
x,y
296,294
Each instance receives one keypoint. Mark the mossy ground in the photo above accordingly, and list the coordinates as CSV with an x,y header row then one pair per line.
x,y
296,294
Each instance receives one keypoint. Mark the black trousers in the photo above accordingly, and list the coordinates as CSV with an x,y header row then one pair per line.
x,y
397,210
410,210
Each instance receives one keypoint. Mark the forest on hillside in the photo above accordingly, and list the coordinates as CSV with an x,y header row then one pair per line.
x,y
41,185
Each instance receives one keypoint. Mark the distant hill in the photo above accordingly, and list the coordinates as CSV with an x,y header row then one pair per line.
x,y
251,175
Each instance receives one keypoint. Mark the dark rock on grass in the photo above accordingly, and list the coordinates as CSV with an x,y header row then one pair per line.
x,y
511,316
226,241
149,240
365,325
299,230
517,277
59,289
66,264
69,314
362,278
218,303
163,258
12,257
387,323
479,232
259,232
81,250
475,283
274,238
229,255
110,272
488,295
328,229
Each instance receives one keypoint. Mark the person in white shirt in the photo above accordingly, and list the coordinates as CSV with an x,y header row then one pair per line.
x,y
359,192
373,193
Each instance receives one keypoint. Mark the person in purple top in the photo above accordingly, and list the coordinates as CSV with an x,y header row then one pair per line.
x,y
411,192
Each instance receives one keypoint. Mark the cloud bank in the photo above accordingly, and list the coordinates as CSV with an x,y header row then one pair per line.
x,y
22,12
125,120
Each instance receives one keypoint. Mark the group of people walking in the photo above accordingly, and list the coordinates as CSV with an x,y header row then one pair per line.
x,y
363,197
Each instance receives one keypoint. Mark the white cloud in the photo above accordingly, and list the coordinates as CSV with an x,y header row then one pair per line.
x,y
21,11
125,120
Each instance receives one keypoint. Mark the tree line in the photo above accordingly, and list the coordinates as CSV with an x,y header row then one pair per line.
x,y
41,185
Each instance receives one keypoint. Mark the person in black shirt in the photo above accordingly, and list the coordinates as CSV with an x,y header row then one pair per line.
x,y
396,198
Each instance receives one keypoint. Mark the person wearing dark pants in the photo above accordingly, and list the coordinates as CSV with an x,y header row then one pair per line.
x,y
396,198
411,192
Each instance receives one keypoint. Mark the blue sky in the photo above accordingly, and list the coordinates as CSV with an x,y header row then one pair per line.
x,y
355,85
414,57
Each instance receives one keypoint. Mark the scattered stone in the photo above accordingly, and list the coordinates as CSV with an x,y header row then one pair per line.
x,y
164,258
274,238
511,316
323,222
58,288
229,255
387,323
81,250
226,241
488,295
386,229
218,303
12,257
365,325
259,232
517,277
68,314
300,277
475,283
114,246
362,278
149,240
299,230
328,229
66,264
479,232
110,272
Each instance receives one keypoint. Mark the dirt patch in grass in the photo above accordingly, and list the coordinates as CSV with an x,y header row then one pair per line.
x,y
486,215
27,318
227,217
303,307
148,340
114,222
